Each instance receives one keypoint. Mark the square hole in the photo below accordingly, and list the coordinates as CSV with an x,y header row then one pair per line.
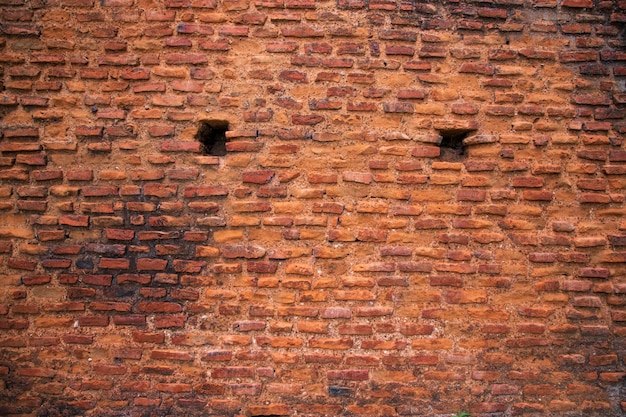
x,y
451,145
212,135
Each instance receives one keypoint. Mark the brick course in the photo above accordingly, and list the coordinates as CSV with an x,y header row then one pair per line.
x,y
342,257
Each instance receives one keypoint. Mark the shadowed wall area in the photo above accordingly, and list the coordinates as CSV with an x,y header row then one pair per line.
x,y
312,208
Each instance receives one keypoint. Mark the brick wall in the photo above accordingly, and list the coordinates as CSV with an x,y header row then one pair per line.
x,y
419,208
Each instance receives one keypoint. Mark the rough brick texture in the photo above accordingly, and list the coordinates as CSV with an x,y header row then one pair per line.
x,y
416,207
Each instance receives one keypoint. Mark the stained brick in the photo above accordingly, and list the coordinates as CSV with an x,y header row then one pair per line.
x,y
398,107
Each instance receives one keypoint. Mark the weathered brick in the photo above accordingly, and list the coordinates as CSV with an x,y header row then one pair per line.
x,y
398,107
293,247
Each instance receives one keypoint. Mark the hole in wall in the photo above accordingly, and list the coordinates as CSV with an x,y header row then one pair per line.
x,y
451,145
212,135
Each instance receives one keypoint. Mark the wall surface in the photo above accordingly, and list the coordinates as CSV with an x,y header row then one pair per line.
x,y
419,210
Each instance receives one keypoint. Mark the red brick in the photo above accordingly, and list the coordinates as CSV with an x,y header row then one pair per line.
x,y
258,177
477,68
338,344
358,177
398,107
577,3
467,194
